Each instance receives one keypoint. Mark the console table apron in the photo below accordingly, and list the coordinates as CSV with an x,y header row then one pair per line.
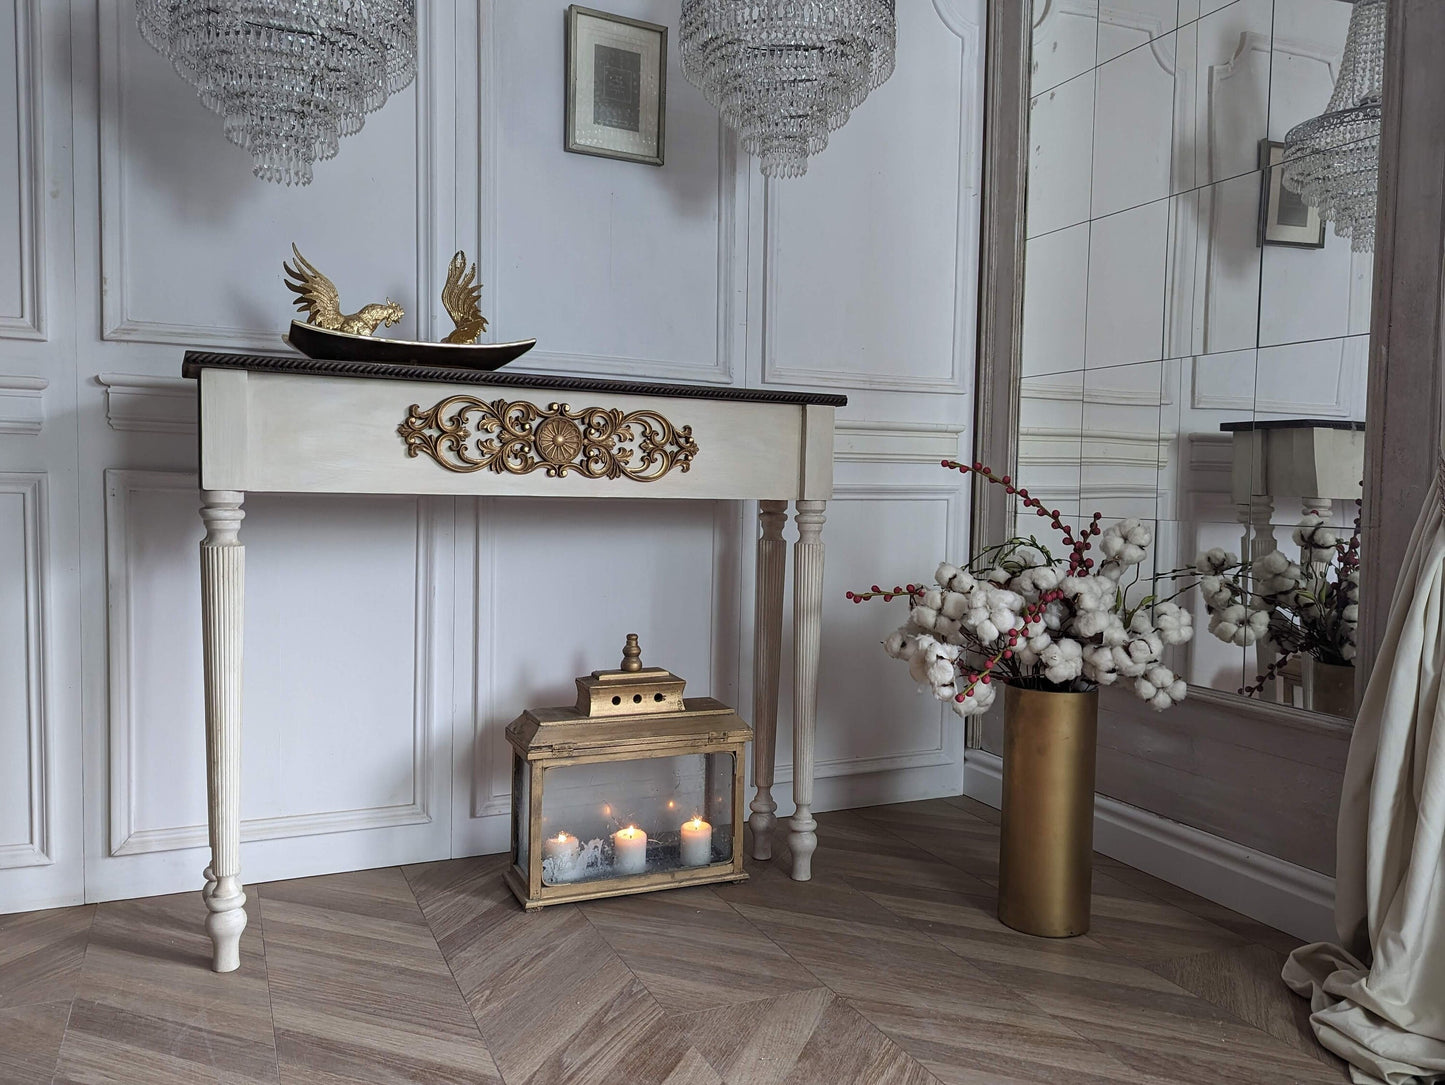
x,y
298,425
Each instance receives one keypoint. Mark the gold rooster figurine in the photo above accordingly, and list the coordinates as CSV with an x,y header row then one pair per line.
x,y
317,297
462,297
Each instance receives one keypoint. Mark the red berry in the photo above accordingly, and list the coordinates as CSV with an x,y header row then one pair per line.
x,y
977,465
984,679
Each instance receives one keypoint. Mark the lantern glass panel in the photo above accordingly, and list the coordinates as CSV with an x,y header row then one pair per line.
x,y
616,818
521,804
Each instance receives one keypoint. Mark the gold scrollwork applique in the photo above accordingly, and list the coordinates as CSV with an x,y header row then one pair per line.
x,y
463,434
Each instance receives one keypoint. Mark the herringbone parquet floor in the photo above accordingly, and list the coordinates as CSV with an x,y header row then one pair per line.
x,y
889,968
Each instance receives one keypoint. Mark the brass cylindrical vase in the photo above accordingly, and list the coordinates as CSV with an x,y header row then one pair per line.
x,y
1046,843
1329,687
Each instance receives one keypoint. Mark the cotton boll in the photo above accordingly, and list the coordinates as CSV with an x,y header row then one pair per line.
x,y
1214,561
1259,622
898,644
932,599
1091,623
947,627
1273,563
987,631
1126,664
963,582
945,574
954,605
1351,613
1115,635
1133,554
1174,623
977,702
924,617
940,673
918,667
998,575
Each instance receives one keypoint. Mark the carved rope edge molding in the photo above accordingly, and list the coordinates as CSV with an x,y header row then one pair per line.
x,y
463,434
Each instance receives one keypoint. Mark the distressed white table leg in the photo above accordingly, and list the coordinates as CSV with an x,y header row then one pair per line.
x,y
807,641
767,661
223,575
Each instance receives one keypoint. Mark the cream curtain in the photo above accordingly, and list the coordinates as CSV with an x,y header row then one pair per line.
x,y
1378,997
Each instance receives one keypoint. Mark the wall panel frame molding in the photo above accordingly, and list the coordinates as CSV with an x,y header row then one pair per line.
x,y
29,323
22,405
35,849
429,714
432,212
957,16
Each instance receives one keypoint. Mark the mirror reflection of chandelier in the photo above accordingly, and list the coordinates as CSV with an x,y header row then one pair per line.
x,y
785,73
1332,161
289,77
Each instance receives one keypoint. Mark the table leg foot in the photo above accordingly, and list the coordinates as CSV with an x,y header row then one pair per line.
x,y
226,902
762,822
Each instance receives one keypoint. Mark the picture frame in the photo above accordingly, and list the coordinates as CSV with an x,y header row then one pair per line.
x,y
1284,218
616,91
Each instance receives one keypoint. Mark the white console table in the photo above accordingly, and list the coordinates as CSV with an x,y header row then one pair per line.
x,y
298,425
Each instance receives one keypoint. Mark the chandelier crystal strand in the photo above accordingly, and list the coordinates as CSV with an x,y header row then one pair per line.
x,y
1332,161
786,73
289,78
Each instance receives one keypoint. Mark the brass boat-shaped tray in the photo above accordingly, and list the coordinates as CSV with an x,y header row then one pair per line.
x,y
317,342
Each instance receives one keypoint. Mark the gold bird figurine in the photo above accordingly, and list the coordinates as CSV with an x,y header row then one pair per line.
x,y
462,297
318,299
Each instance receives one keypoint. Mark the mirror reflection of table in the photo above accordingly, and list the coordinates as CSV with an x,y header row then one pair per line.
x,y
1319,461
301,425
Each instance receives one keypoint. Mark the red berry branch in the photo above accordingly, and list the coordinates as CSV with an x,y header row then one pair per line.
x,y
1079,563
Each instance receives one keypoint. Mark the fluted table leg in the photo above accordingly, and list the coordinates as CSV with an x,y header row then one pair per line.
x,y
767,653
807,638
223,575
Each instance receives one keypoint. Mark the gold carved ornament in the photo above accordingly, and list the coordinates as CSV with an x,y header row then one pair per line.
x,y
463,434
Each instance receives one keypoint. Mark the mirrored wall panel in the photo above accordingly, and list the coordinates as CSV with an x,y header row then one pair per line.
x,y
1195,339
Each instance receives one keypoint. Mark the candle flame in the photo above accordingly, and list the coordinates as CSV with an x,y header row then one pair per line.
x,y
630,831
671,805
561,837
695,823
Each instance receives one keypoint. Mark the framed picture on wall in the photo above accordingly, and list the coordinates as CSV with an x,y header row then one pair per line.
x,y
616,86
1284,218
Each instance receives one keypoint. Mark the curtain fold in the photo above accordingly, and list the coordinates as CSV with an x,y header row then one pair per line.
x,y
1378,997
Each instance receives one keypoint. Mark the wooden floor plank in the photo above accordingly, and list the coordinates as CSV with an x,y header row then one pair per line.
x,y
890,967
359,990
41,954
149,1009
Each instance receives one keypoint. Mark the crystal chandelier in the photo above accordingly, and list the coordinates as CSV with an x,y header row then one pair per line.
x,y
289,77
1332,161
785,73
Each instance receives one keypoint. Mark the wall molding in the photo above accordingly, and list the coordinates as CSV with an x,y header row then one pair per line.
x,y
117,321
491,775
125,838
135,403
1290,898
35,850
1337,406
966,249
895,442
29,323
732,246
948,749
22,405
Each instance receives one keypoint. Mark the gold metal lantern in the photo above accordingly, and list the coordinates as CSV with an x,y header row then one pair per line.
x,y
631,789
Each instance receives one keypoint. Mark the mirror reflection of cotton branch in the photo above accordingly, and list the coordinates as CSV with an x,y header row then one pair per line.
x,y
1019,614
1309,607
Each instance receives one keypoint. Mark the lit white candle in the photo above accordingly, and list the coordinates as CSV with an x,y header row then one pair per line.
x,y
696,842
563,849
629,850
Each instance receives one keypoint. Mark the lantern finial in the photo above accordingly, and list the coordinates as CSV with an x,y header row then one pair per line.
x,y
632,654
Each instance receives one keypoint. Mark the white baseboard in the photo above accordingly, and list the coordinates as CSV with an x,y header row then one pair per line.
x,y
1290,898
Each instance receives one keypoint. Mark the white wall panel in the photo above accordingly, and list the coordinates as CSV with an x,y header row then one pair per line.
x,y
21,239
193,244
613,266
872,718
24,732
339,681
869,272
